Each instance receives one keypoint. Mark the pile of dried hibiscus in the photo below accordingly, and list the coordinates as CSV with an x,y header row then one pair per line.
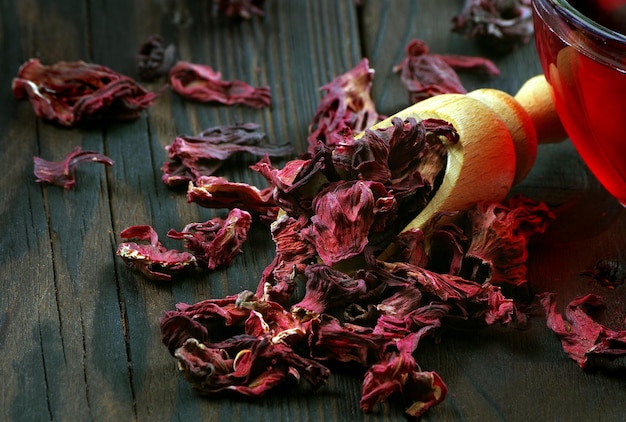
x,y
340,208
326,296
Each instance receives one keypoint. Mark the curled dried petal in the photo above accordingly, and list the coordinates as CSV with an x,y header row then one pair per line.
x,y
445,286
344,342
326,288
425,74
297,183
399,373
216,242
69,93
202,83
345,108
190,157
503,24
581,335
61,173
217,192
345,212
153,259
500,234
293,254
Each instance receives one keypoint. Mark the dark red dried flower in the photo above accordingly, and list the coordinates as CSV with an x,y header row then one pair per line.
x,y
244,9
344,342
228,311
152,259
582,336
70,93
345,212
447,246
410,248
445,286
417,157
425,74
154,59
216,242
346,107
61,173
202,155
399,373
496,307
201,83
327,288
293,254
398,313
500,234
297,183
503,24
217,192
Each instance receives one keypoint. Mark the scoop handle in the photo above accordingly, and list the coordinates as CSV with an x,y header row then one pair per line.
x,y
530,117
536,98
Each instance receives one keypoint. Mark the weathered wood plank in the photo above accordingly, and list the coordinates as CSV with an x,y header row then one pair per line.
x,y
74,337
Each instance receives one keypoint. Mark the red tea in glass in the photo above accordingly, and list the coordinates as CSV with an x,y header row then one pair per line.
x,y
582,49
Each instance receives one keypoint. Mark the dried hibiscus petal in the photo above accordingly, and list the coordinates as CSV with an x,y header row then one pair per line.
x,y
217,192
216,242
417,157
345,108
582,336
446,287
193,156
154,59
500,234
202,83
399,373
191,320
343,342
293,254
61,173
70,93
152,259
425,74
504,24
297,183
410,247
327,288
345,212
421,320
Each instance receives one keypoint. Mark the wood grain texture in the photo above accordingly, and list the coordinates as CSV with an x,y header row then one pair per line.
x,y
79,334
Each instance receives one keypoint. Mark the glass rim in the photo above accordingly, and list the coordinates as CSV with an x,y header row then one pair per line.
x,y
569,12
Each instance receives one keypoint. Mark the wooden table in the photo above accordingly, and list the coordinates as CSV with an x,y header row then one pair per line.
x,y
79,334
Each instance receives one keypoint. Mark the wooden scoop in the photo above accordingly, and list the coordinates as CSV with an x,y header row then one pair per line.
x,y
498,137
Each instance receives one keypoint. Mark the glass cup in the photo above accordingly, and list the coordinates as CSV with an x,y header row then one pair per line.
x,y
582,50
